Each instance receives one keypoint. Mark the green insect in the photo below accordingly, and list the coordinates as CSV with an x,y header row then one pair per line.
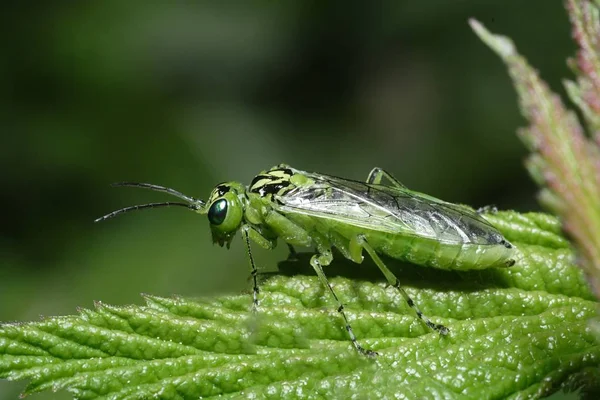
x,y
322,211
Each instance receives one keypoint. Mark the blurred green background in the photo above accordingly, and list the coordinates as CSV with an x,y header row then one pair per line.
x,y
189,94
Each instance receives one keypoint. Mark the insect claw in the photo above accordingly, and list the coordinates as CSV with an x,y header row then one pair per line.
x,y
366,352
371,353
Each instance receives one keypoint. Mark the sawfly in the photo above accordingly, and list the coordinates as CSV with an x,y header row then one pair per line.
x,y
379,216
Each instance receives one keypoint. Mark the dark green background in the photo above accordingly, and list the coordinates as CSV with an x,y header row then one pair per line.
x,y
188,94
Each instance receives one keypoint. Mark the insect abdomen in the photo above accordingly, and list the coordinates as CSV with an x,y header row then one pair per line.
x,y
432,253
418,250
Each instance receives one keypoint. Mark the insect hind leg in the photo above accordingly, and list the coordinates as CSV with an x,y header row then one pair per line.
x,y
317,262
489,209
377,174
360,243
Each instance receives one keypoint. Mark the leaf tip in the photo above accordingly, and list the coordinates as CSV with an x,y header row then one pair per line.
x,y
502,45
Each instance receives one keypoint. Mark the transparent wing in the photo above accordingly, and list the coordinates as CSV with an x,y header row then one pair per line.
x,y
387,209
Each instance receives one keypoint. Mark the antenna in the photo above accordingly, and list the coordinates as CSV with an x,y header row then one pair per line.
x,y
145,206
158,188
192,203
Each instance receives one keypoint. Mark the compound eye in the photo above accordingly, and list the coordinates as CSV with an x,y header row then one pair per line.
x,y
217,212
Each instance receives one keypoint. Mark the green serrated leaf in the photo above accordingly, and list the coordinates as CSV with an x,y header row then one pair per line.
x,y
520,332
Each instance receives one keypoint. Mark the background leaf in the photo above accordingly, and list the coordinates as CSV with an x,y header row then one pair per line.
x,y
564,161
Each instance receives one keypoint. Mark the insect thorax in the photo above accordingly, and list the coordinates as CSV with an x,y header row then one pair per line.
x,y
275,182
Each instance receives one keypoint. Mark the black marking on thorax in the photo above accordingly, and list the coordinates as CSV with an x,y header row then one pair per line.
x,y
273,182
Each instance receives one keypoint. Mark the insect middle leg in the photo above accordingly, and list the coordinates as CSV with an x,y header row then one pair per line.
x,y
293,254
356,245
317,262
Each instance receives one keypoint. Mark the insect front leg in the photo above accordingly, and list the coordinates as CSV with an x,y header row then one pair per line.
x,y
323,259
248,232
377,174
356,245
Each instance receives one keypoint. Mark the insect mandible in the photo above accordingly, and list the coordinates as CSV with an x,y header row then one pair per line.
x,y
322,211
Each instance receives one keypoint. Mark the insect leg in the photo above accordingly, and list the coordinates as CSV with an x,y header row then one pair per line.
x,y
293,254
487,210
377,174
250,233
360,242
323,259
